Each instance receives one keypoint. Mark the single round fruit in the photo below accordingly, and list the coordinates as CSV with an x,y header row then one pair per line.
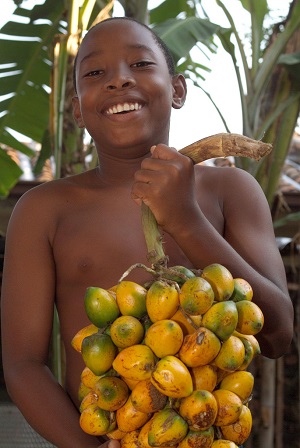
x,y
242,290
199,409
240,430
112,393
126,331
196,296
229,407
167,428
88,378
96,421
146,397
164,337
240,382
199,348
130,439
198,439
98,352
172,378
204,377
135,362
221,318
231,355
100,306
250,317
162,300
129,418
81,334
221,281
131,299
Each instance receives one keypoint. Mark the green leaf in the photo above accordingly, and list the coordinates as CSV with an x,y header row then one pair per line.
x,y
286,219
9,173
291,61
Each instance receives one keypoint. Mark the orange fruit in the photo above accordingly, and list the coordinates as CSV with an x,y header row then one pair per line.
x,y
129,419
240,430
112,393
88,378
146,397
130,439
199,409
250,317
229,407
198,439
221,318
240,382
131,299
172,378
242,290
90,398
83,390
116,434
221,443
167,428
130,383
252,339
135,362
221,281
98,352
100,306
96,421
196,296
162,300
143,435
81,334
231,355
199,348
164,337
126,331
204,377
249,353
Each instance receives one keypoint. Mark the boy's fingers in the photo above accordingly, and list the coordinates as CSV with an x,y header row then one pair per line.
x,y
163,152
110,444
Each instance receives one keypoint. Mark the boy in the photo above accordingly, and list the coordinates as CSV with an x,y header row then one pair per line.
x,y
85,230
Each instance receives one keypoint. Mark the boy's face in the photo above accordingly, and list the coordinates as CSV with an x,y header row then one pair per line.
x,y
125,92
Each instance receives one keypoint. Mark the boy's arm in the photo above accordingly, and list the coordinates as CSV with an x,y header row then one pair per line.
x,y
27,302
247,247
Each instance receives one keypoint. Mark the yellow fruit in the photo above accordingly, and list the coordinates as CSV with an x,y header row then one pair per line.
x,y
220,279
252,339
100,306
172,378
143,435
242,290
198,439
146,397
88,378
126,331
196,296
240,382
164,337
130,383
204,377
90,398
130,439
135,362
250,317
131,299
221,319
231,355
229,407
199,348
162,301
129,418
112,393
98,352
96,421
81,334
167,428
83,390
240,430
249,353
116,434
186,323
199,409
221,443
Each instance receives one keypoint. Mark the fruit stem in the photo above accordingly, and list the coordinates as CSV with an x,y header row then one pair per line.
x,y
154,242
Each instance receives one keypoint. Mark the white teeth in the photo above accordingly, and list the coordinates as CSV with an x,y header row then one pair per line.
x,y
123,107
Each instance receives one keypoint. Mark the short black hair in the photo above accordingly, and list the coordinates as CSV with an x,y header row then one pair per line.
x,y
161,44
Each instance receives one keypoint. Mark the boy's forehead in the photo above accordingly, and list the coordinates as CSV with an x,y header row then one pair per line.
x,y
119,33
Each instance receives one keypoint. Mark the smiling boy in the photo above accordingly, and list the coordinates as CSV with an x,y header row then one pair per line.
x,y
85,230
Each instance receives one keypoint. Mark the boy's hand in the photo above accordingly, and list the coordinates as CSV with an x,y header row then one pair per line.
x,y
110,444
165,183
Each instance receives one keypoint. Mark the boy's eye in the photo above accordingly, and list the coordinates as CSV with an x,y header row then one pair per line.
x,y
93,73
142,64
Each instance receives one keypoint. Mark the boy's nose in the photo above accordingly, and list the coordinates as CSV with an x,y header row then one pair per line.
x,y
120,79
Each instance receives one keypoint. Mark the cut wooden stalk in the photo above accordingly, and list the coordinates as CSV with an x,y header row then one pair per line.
x,y
218,145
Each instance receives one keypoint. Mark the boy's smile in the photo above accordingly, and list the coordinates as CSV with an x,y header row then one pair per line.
x,y
125,90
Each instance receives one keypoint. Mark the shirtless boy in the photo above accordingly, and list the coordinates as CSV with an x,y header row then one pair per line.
x,y
85,230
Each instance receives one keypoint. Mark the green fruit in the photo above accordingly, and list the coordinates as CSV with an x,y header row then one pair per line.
x,y
221,319
100,306
98,352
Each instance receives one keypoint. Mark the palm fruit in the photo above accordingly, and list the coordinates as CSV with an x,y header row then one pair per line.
x,y
164,337
146,397
167,428
171,377
220,279
199,348
135,362
199,410
100,306
250,317
196,296
222,319
198,439
129,418
240,430
162,301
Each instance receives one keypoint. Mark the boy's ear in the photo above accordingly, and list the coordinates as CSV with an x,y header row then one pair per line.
x,y
77,112
179,91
